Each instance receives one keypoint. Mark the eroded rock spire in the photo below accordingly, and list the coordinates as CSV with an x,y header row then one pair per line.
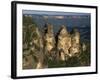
x,y
63,43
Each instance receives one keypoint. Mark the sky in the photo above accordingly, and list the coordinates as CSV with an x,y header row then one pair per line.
x,y
51,13
66,18
69,19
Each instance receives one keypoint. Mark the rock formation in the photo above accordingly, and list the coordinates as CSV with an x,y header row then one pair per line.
x,y
63,43
36,38
75,41
49,39
33,57
83,46
40,47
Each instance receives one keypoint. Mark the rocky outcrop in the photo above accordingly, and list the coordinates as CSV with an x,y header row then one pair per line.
x,y
49,39
63,43
84,47
75,41
36,38
33,56
39,47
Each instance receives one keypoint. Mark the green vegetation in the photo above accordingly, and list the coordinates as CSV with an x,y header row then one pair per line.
x,y
82,60
86,56
31,57
27,20
29,28
29,33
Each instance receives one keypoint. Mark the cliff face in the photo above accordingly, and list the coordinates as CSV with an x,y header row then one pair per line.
x,y
68,45
49,39
63,43
33,56
75,41
40,47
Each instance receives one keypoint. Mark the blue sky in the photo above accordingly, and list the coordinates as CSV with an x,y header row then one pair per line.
x,y
51,13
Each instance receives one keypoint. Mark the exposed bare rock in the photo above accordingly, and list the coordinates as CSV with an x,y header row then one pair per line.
x,y
83,46
28,62
49,39
36,38
33,57
37,49
41,60
75,41
34,60
64,42
40,47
